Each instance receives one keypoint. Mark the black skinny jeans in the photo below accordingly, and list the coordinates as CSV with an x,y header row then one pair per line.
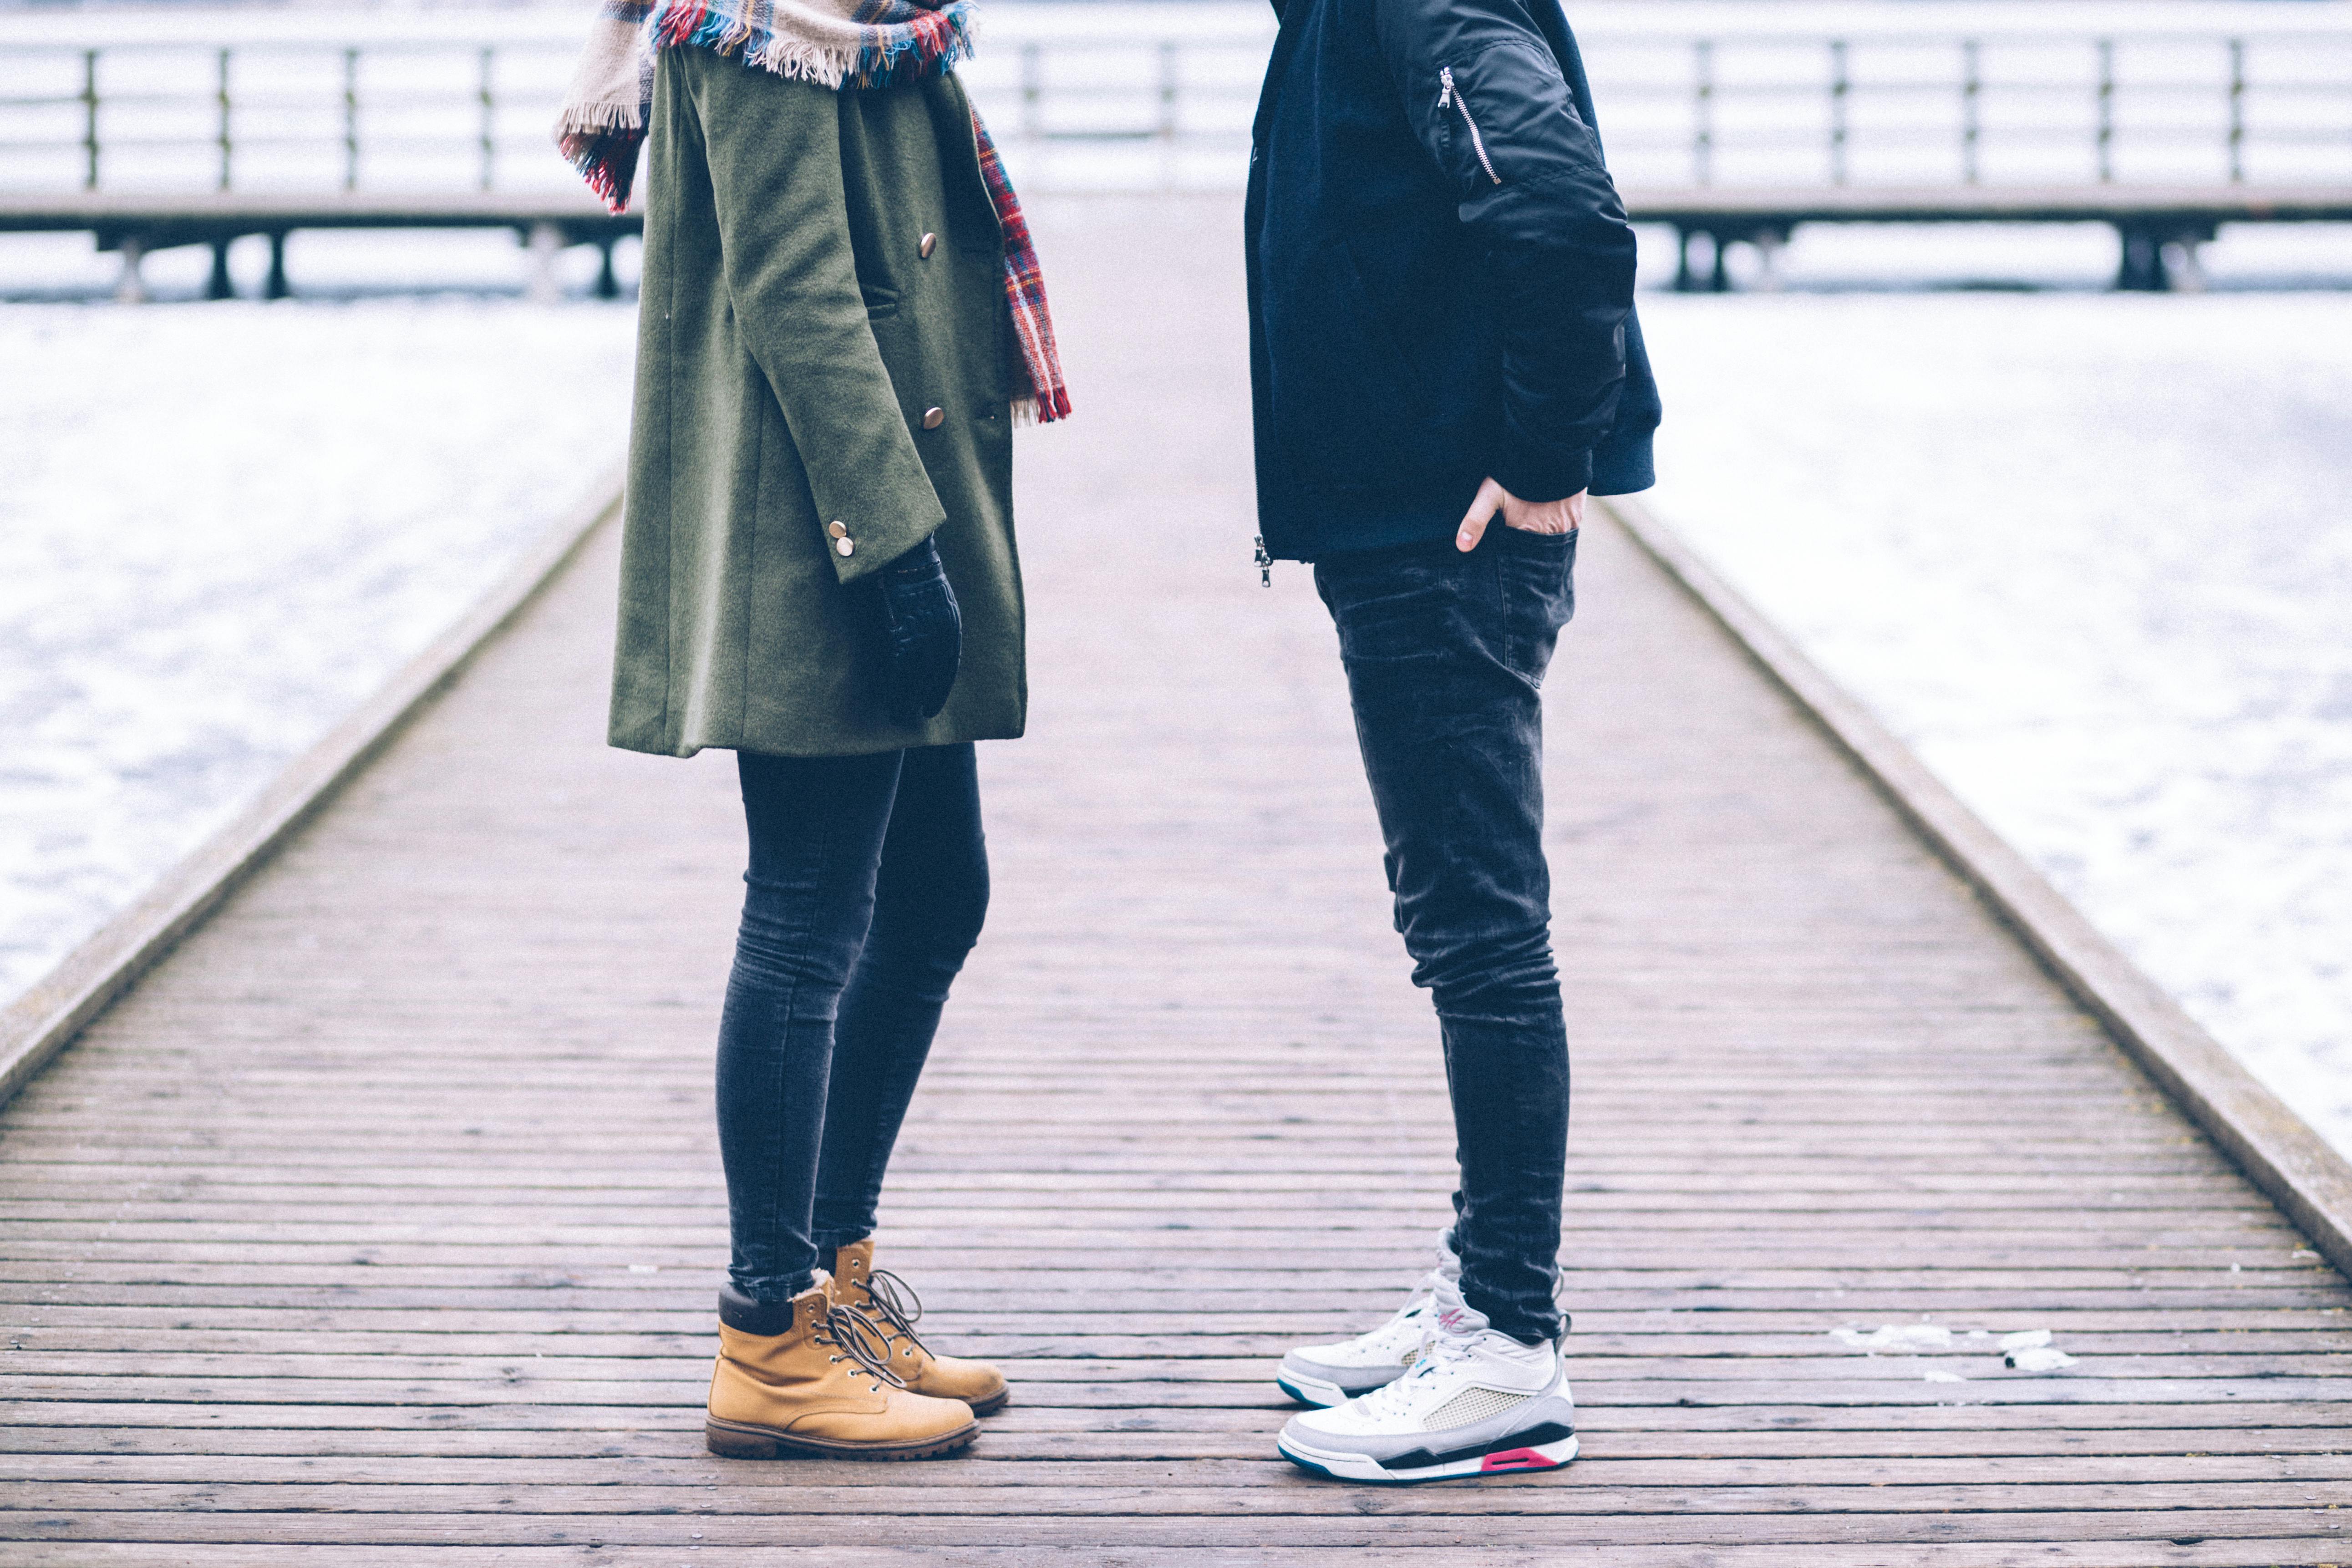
x,y
1446,654
868,885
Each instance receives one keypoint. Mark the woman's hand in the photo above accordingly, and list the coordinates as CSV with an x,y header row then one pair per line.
x,y
922,635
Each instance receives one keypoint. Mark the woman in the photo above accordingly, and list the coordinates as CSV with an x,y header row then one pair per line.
x,y
840,318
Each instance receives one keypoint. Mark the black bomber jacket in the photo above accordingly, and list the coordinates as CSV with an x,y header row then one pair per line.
x,y
1441,274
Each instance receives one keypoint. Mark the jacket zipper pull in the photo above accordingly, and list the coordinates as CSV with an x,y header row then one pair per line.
x,y
1450,96
1264,564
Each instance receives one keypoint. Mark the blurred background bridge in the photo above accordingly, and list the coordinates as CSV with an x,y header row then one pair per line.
x,y
209,126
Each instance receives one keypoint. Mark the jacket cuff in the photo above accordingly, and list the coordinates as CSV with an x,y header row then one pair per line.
x,y
1533,474
863,536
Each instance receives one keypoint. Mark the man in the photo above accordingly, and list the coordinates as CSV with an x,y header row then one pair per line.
x,y
1443,337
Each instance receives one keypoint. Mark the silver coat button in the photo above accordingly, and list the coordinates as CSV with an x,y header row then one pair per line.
x,y
846,546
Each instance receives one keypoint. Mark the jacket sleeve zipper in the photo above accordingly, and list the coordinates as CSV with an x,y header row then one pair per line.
x,y
1451,97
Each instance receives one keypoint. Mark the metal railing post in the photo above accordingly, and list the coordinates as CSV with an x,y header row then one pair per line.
x,y
1703,113
2107,112
1971,109
2237,111
89,117
351,119
228,150
1167,79
1841,88
1033,88
489,119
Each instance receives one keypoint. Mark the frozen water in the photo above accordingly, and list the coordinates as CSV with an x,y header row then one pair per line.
x,y
223,527
2091,557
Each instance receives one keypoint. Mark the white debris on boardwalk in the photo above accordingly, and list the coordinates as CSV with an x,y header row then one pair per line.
x,y
2090,556
2026,1350
223,527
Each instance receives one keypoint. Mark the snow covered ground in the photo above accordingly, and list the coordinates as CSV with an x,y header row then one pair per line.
x,y
224,527
2091,557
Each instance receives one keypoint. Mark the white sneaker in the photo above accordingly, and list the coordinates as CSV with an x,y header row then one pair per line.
x,y
1333,1374
1476,1403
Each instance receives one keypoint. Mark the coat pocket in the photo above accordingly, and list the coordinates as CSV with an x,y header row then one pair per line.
x,y
1347,412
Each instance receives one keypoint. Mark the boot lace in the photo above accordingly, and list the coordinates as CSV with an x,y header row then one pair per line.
x,y
856,1337
894,1303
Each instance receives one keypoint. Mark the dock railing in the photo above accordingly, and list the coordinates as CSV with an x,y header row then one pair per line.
x,y
1880,120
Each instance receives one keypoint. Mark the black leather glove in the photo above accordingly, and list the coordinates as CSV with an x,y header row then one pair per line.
x,y
922,635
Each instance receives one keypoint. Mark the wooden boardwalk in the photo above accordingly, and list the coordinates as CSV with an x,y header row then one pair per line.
x,y
381,1225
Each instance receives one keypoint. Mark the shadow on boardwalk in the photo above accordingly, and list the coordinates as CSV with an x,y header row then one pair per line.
x,y
381,1224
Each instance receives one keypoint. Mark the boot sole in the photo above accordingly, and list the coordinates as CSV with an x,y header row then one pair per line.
x,y
993,1404
735,1440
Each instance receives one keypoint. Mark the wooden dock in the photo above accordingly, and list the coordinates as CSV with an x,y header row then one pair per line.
x,y
381,1224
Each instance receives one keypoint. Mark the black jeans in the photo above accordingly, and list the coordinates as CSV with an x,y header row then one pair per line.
x,y
868,885
1446,656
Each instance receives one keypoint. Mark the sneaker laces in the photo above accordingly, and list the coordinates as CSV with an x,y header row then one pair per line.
x,y
860,1340
1437,1349
894,1302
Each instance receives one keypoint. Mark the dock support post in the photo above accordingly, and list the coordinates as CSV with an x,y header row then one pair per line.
x,y
2140,268
219,286
1686,277
546,243
276,288
608,286
131,289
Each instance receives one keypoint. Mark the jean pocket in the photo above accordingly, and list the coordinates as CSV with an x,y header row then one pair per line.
x,y
1537,574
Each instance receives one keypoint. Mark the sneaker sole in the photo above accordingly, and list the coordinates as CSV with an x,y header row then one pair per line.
x,y
738,1440
1343,1467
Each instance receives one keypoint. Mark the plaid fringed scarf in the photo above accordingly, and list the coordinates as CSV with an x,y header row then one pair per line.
x,y
834,43
1024,290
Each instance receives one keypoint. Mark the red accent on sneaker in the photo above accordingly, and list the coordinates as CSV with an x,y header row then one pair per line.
x,y
1516,1460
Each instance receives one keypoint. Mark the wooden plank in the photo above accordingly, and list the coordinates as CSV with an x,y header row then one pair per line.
x,y
2225,1553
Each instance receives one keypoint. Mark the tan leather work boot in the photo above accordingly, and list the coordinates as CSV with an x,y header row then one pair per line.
x,y
893,1307
805,1377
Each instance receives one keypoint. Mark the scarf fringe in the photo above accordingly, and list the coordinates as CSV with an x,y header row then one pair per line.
x,y
933,42
606,158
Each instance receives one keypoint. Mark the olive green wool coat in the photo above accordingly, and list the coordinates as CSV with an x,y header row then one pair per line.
x,y
794,331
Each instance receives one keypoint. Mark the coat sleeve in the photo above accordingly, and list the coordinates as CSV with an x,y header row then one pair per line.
x,y
1526,167
774,153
